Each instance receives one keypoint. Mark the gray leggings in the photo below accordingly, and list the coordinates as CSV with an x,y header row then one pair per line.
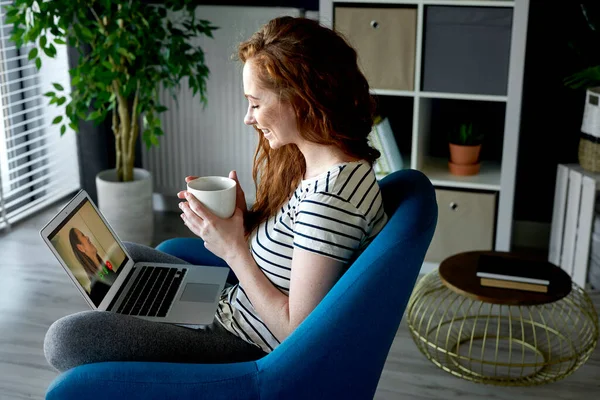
x,y
96,336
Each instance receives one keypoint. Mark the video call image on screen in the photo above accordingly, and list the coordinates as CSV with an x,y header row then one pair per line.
x,y
89,250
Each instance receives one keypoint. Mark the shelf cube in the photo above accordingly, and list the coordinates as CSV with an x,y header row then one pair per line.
x,y
385,40
467,49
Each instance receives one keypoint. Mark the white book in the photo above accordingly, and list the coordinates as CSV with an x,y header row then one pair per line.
x,y
584,230
512,278
381,165
567,259
558,215
389,145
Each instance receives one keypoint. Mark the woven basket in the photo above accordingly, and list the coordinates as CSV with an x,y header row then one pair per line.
x,y
589,143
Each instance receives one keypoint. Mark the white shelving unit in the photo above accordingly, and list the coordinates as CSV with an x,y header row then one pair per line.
x,y
496,175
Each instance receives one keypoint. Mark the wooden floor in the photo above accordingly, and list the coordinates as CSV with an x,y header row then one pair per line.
x,y
35,291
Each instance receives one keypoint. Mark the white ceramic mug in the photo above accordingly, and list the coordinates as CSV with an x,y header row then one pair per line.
x,y
216,193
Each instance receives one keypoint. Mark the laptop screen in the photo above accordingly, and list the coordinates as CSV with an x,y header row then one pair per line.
x,y
90,251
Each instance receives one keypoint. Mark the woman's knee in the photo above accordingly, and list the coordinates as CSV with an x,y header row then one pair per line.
x,y
71,340
141,253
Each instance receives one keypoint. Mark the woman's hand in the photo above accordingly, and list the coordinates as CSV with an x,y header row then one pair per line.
x,y
223,237
240,197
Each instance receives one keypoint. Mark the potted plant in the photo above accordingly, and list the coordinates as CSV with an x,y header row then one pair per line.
x,y
588,79
127,50
465,147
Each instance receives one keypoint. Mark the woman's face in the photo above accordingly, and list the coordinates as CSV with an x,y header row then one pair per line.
x,y
275,118
85,245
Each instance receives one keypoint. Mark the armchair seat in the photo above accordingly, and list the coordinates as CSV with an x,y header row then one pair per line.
x,y
338,351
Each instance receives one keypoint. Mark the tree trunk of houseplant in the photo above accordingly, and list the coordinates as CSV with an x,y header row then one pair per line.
x,y
125,127
125,193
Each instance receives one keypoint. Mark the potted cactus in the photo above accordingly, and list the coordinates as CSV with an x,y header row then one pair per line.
x,y
465,148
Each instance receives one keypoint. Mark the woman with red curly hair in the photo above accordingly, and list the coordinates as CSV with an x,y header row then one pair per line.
x,y
318,205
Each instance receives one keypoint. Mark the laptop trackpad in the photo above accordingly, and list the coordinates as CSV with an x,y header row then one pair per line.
x,y
200,292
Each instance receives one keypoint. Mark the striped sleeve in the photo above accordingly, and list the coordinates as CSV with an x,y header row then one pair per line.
x,y
329,225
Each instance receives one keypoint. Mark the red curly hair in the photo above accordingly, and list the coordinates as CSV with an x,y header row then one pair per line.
x,y
316,71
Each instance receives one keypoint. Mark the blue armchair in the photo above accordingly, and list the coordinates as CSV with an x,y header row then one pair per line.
x,y
339,350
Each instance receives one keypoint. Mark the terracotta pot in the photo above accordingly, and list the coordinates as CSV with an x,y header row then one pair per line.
x,y
463,155
464,169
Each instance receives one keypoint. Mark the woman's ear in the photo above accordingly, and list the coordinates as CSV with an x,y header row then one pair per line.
x,y
80,247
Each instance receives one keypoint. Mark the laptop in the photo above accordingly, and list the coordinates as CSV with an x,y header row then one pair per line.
x,y
110,280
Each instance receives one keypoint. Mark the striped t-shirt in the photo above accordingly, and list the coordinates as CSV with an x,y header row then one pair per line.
x,y
335,214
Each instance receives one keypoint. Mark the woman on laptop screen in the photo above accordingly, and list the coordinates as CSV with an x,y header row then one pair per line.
x,y
100,273
318,205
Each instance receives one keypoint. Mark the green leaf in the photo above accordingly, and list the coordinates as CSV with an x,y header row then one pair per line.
x,y
93,116
12,11
76,79
38,63
59,41
126,54
33,53
43,41
57,120
74,127
58,86
85,32
61,101
63,129
48,52
11,19
49,94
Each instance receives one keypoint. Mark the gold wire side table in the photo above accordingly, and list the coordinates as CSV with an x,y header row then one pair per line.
x,y
498,336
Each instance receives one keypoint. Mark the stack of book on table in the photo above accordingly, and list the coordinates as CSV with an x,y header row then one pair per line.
x,y
510,273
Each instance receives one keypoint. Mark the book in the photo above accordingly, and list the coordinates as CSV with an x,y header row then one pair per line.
x,y
381,166
504,284
382,133
513,269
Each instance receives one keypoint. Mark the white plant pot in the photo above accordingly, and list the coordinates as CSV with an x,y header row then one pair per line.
x,y
127,206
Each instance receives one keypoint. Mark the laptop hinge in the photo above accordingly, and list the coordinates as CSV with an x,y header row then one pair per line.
x,y
120,291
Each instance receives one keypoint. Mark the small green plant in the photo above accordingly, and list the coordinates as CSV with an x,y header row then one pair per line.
x,y
465,135
589,77
585,47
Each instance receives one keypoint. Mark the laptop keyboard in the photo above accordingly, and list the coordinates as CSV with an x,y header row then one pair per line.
x,y
152,292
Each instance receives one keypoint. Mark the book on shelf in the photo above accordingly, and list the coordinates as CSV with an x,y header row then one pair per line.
x,y
513,269
382,139
504,284
380,166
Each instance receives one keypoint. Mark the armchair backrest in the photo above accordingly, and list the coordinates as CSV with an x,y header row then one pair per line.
x,y
340,349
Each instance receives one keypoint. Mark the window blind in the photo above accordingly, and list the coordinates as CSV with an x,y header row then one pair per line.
x,y
38,166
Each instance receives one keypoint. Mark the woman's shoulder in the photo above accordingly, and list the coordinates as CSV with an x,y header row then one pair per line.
x,y
351,186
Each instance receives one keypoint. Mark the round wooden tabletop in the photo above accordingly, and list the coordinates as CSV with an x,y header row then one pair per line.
x,y
458,273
